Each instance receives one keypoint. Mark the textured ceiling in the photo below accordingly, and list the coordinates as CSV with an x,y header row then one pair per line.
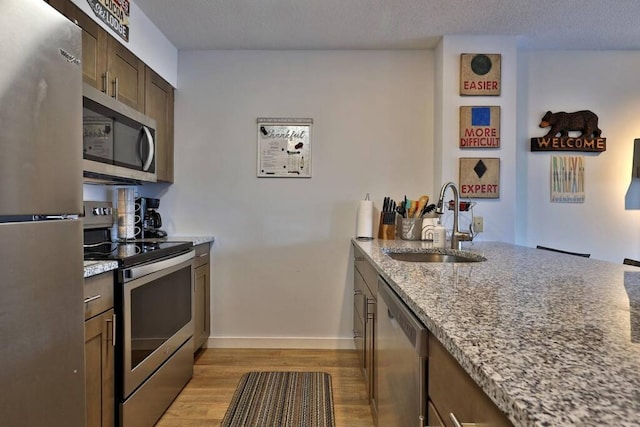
x,y
393,24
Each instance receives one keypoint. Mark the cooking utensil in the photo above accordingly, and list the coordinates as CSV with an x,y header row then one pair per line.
x,y
422,202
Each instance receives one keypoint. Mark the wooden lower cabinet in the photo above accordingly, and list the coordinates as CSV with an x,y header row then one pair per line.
x,y
99,356
201,297
99,370
365,286
452,391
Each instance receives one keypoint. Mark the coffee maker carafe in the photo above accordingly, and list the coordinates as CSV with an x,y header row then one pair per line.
x,y
148,219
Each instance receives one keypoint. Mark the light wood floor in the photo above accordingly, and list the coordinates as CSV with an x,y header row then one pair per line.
x,y
204,400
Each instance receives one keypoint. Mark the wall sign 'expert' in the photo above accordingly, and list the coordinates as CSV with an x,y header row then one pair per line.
x,y
480,177
480,74
284,147
559,138
480,127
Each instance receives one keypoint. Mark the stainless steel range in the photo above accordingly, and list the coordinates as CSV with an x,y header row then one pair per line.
x,y
153,305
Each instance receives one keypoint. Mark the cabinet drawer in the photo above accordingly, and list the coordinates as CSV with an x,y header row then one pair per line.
x,y
368,272
98,294
202,255
452,391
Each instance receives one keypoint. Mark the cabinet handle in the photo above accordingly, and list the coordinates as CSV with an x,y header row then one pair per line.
x,y
113,329
112,321
357,292
357,334
115,88
93,298
105,82
371,314
203,255
358,258
457,423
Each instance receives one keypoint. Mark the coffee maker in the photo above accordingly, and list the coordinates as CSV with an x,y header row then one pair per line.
x,y
148,219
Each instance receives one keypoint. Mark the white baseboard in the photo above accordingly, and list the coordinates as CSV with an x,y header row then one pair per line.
x,y
298,343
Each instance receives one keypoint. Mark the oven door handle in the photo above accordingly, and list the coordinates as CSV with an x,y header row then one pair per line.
x,y
142,270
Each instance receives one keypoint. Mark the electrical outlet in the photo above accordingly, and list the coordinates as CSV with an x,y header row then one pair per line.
x,y
478,224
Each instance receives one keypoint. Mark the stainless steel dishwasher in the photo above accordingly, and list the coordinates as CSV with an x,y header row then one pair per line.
x,y
401,362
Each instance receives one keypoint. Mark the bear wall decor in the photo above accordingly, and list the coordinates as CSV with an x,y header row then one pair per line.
x,y
561,123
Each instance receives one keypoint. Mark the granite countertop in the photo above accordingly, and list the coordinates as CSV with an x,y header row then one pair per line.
x,y
196,240
93,268
552,339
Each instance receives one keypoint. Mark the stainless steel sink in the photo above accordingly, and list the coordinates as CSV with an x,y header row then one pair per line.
x,y
435,257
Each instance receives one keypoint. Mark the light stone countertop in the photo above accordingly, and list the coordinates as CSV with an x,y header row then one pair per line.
x,y
196,240
551,338
93,268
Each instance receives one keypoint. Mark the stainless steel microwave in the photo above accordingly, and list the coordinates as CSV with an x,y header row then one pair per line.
x,y
118,141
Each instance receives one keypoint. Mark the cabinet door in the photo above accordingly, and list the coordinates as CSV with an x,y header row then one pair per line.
x,y
158,104
59,5
370,342
99,370
452,391
201,312
126,75
94,48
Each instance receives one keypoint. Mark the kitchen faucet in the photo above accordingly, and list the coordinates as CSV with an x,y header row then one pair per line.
x,y
457,237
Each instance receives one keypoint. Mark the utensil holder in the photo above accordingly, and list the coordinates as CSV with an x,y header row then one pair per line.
x,y
411,228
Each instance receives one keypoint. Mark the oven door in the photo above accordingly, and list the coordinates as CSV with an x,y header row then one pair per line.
x,y
157,316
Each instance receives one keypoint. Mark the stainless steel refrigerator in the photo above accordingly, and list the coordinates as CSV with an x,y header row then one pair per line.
x,y
41,279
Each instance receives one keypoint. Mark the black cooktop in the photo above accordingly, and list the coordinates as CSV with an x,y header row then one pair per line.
x,y
99,247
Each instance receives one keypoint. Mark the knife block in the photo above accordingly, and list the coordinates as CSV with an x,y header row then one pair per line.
x,y
386,231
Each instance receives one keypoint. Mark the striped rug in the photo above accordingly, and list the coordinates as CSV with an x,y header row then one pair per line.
x,y
281,399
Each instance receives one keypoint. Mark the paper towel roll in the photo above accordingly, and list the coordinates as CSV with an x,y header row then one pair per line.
x,y
364,224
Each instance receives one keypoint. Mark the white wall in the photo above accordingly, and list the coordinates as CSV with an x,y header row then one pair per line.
x,y
499,214
145,41
281,262
606,83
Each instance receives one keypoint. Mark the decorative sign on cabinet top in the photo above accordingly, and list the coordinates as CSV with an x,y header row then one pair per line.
x,y
114,13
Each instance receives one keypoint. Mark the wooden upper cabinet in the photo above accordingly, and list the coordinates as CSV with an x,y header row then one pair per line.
x,y
158,105
125,75
107,65
94,47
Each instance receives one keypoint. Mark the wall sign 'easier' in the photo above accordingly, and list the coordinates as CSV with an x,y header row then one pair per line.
x,y
480,74
284,147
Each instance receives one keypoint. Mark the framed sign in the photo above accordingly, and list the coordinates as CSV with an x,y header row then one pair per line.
x,y
284,147
480,127
480,74
567,179
480,177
